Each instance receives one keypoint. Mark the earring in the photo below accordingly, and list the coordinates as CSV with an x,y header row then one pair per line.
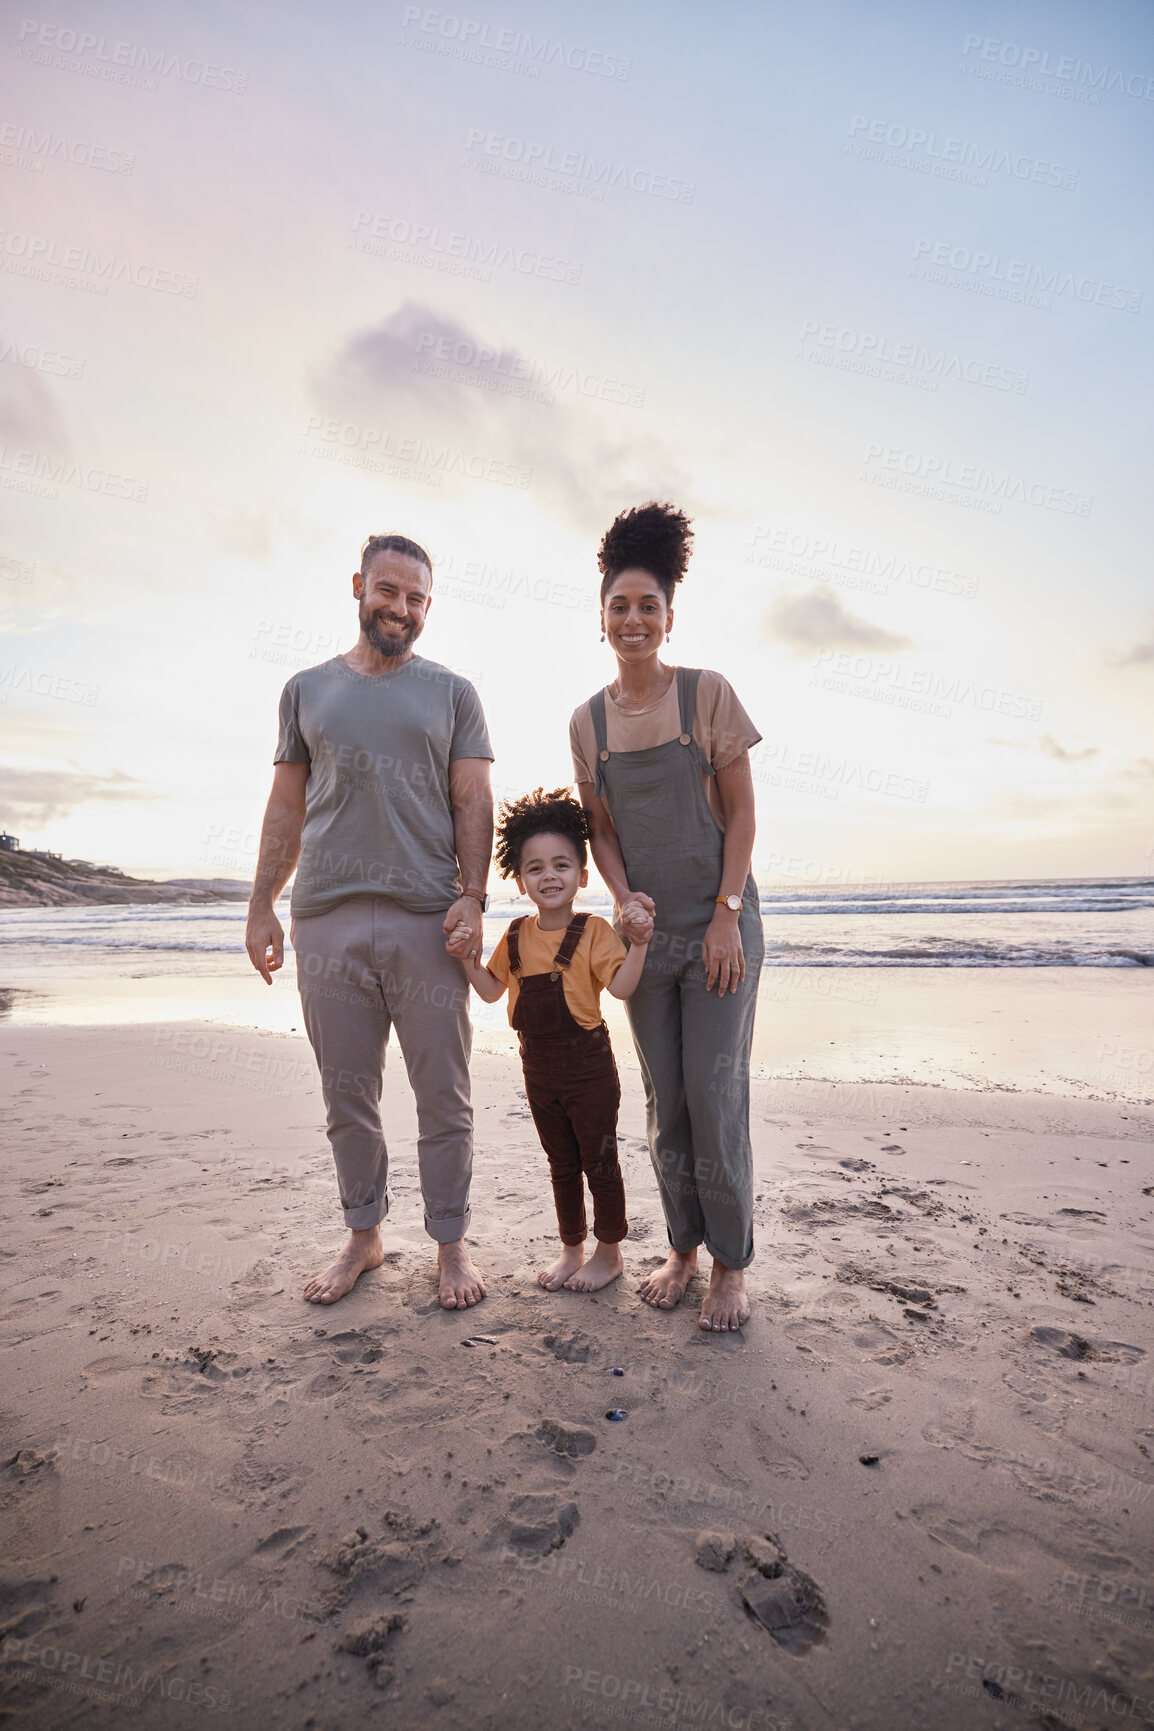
x,y
669,634
603,637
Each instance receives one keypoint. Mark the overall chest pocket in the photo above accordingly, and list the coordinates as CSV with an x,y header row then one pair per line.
x,y
649,802
541,1006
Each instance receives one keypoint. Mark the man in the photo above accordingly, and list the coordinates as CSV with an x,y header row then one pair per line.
x,y
381,791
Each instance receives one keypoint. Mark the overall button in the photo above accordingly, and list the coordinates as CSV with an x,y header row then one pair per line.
x,y
604,756
684,739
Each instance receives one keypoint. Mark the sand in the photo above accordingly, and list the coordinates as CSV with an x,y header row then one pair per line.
x,y
917,1489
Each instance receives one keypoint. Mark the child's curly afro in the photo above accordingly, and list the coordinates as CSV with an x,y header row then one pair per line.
x,y
539,813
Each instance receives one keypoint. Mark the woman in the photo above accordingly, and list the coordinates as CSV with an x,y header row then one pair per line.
x,y
661,761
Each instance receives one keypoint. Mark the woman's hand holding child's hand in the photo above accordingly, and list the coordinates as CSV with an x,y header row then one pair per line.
x,y
639,929
637,920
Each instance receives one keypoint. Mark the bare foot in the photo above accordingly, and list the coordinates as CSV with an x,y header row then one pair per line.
x,y
725,1304
605,1264
665,1287
363,1250
557,1274
460,1284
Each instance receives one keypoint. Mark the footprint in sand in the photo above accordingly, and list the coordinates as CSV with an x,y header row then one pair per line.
x,y
537,1523
566,1439
283,1543
370,1639
1077,1346
575,1348
391,1565
99,1368
786,1602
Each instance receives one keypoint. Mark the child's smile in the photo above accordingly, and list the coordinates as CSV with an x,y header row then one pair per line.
x,y
550,873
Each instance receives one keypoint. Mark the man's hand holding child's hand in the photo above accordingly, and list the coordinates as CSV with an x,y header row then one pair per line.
x,y
461,942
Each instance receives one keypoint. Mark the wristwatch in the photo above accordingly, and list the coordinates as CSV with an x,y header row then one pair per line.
x,y
733,903
477,896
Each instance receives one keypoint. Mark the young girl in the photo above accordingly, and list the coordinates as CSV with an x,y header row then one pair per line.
x,y
555,967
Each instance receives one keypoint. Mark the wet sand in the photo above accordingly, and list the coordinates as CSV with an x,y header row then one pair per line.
x,y
928,1461
1083,1032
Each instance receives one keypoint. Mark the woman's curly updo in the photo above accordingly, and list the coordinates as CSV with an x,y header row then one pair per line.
x,y
654,538
538,813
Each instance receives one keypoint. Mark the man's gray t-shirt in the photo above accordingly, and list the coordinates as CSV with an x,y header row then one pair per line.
x,y
378,817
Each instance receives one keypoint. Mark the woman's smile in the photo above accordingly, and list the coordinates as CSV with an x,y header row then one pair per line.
x,y
636,615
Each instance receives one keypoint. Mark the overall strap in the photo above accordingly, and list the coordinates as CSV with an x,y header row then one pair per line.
x,y
513,947
597,714
570,941
688,679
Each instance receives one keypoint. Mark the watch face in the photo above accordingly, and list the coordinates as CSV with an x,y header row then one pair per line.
x,y
733,903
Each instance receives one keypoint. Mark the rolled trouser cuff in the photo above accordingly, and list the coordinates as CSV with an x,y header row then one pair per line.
x,y
726,1260
367,1215
683,1249
448,1228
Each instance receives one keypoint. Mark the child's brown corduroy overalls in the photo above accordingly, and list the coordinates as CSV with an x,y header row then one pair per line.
x,y
573,1091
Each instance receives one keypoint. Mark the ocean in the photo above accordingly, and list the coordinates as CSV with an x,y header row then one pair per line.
x,y
1019,985
1070,922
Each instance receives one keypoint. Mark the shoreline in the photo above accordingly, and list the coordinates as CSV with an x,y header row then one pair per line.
x,y
1076,1033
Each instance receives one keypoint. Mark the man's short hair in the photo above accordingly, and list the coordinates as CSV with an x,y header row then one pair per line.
x,y
393,544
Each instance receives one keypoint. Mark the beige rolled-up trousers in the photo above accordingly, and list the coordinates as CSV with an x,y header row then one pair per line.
x,y
364,968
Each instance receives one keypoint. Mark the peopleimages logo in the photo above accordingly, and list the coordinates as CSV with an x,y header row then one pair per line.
x,y
877,353
930,151
448,249
40,256
853,564
986,270
466,362
84,1673
903,686
513,50
529,158
26,147
41,360
1039,61
997,486
71,50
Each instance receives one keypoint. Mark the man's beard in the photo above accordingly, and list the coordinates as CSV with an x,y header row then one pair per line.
x,y
381,641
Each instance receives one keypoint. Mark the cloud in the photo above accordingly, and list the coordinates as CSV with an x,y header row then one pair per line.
x,y
255,528
30,417
421,376
806,624
1049,747
1138,655
38,796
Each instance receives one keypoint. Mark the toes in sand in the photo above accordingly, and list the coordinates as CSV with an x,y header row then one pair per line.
x,y
558,1273
665,1287
460,1284
363,1250
725,1305
604,1266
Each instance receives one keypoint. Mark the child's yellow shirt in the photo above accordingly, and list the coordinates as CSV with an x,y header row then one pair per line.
x,y
595,961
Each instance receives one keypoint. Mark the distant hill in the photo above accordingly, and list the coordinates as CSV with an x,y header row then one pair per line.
x,y
29,880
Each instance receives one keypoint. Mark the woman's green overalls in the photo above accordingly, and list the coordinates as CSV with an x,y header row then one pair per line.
x,y
694,1046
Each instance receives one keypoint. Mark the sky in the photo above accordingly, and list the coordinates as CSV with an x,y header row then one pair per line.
x,y
865,289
